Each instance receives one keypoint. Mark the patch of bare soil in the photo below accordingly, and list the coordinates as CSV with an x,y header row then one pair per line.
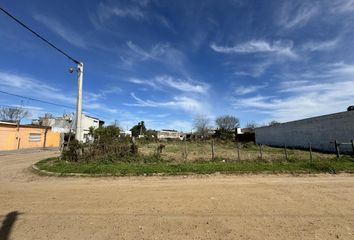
x,y
193,207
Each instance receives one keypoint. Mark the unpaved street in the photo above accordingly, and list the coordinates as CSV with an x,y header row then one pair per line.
x,y
198,207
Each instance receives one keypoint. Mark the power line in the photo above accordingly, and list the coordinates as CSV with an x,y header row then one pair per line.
x,y
47,102
37,100
39,36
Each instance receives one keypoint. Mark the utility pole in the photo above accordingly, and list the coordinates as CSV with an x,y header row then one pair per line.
x,y
80,72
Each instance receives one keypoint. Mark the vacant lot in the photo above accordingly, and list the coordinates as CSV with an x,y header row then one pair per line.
x,y
208,207
190,151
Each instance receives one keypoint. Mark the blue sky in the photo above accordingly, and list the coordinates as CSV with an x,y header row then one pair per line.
x,y
164,62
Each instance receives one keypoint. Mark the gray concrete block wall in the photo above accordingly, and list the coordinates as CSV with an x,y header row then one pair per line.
x,y
320,131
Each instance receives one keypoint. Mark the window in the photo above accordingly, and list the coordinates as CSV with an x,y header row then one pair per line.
x,y
34,137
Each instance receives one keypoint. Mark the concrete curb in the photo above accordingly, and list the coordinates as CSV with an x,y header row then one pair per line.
x,y
54,174
185,175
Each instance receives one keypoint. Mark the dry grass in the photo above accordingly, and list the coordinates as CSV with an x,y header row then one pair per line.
x,y
201,151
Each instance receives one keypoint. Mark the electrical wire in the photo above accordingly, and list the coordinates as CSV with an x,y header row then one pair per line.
x,y
47,102
39,36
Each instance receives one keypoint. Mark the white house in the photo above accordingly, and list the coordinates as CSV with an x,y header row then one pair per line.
x,y
169,134
86,123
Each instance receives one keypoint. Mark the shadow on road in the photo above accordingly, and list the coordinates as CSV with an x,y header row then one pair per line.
x,y
7,225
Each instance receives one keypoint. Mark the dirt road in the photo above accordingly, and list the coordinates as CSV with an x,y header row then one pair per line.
x,y
208,207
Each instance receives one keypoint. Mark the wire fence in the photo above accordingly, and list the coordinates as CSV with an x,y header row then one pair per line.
x,y
212,150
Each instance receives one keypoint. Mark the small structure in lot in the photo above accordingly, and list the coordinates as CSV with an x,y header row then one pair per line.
x,y
245,135
169,134
15,136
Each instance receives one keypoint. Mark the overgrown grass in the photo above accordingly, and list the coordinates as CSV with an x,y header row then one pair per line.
x,y
155,165
226,150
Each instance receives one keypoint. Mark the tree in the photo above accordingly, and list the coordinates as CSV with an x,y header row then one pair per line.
x,y
273,123
227,123
13,114
201,125
105,134
251,125
138,129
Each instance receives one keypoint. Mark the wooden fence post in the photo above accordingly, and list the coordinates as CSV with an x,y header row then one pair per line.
x,y
285,152
260,151
310,155
337,148
212,150
238,151
185,150
352,141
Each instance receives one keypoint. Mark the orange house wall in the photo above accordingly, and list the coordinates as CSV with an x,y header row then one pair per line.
x,y
11,139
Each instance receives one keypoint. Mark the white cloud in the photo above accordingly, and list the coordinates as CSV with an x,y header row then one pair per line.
x,y
179,102
155,53
64,32
105,12
304,95
255,70
342,6
30,87
244,90
295,14
320,45
163,53
284,48
159,82
24,84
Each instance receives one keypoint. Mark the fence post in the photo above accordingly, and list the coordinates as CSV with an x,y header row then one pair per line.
x,y
185,150
285,152
352,141
310,146
238,151
212,149
337,148
260,151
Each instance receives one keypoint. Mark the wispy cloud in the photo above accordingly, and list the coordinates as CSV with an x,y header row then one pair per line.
x,y
320,45
244,90
25,85
179,102
16,83
105,12
136,11
255,70
342,6
170,57
305,95
156,51
297,14
284,48
64,32
159,82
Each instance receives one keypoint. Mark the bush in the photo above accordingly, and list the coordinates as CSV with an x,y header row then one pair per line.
x,y
107,146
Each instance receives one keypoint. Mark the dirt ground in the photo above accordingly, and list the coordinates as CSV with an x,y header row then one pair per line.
x,y
193,207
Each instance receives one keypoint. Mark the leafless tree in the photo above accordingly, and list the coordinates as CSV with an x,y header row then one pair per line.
x,y
201,125
252,125
227,123
15,114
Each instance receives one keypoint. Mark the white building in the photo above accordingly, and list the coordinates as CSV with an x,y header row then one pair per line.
x,y
86,123
169,134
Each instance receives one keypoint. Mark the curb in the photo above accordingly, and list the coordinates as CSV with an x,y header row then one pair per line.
x,y
54,174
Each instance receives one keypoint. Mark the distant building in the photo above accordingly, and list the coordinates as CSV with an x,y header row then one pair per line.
x,y
58,124
66,124
169,134
87,122
245,135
